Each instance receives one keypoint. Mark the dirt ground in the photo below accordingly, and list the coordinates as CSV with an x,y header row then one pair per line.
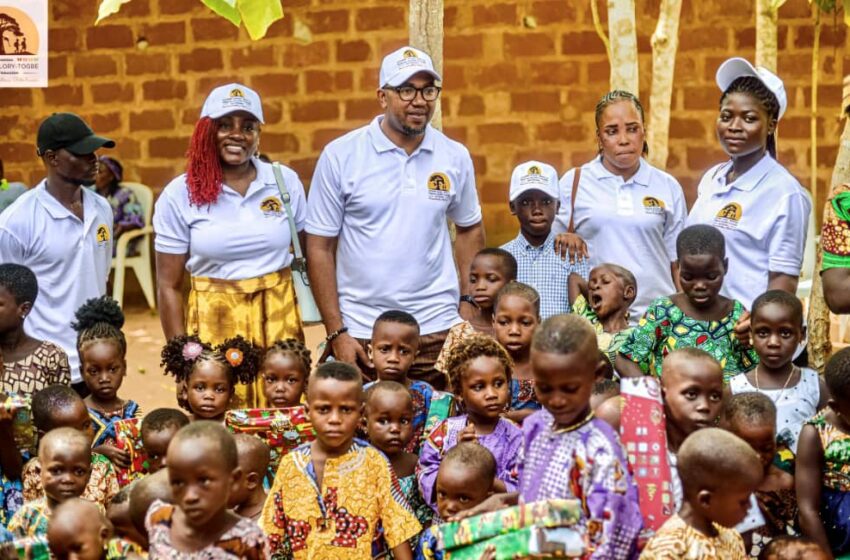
x,y
145,382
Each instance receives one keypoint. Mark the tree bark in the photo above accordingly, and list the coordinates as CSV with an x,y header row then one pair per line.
x,y
767,14
425,25
665,43
623,38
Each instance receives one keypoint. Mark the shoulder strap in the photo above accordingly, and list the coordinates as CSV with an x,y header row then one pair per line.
x,y
284,195
576,178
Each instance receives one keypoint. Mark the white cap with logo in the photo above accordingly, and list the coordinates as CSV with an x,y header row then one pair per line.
x,y
737,67
534,175
224,100
400,65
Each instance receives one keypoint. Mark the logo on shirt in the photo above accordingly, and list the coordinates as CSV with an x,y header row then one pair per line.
x,y
729,216
102,235
652,205
439,186
271,206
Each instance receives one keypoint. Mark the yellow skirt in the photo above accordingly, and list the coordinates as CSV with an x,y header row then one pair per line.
x,y
262,310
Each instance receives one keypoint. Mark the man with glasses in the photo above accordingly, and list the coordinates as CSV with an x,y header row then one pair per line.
x,y
377,238
62,232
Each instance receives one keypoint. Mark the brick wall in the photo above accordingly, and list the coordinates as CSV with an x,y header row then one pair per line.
x,y
521,81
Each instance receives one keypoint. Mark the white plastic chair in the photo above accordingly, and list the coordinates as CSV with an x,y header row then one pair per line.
x,y
141,263
807,272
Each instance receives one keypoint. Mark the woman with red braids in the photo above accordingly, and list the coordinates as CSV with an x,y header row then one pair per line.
x,y
223,221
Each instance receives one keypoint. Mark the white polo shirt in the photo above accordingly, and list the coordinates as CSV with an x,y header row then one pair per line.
x,y
631,223
236,238
70,258
764,216
389,212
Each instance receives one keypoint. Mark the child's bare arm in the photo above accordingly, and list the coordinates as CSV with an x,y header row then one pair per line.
x,y
808,482
823,400
576,286
627,368
403,552
609,411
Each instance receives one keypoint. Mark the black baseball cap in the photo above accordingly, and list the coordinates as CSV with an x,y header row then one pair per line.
x,y
69,131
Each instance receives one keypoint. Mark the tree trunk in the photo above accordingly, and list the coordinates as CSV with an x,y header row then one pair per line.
x,y
623,37
767,14
425,26
665,43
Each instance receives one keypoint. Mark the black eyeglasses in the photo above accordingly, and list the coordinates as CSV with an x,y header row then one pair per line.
x,y
408,93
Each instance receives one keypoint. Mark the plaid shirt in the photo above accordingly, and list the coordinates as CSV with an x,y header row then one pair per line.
x,y
544,270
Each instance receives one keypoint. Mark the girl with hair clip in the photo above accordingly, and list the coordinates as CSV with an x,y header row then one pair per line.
x,y
619,196
764,240
224,221
207,375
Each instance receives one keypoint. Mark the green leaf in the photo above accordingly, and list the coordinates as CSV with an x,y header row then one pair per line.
x,y
226,9
258,15
107,8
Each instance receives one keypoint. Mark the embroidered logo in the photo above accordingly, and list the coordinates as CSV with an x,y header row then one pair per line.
x,y
271,207
236,93
102,235
409,58
409,53
652,205
534,170
729,216
439,186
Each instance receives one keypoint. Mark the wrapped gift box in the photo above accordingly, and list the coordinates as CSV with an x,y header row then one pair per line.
x,y
283,429
23,430
128,436
480,528
549,542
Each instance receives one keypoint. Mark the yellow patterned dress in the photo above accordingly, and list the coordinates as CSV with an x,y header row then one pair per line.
x,y
676,540
339,519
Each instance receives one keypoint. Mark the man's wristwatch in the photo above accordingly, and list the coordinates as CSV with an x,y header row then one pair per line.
x,y
468,299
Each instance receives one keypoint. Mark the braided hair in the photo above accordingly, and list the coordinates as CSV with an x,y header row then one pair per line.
x,y
472,347
294,348
100,319
754,87
616,96
239,358
203,168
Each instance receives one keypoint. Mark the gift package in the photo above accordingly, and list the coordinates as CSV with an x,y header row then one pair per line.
x,y
442,406
543,528
283,429
128,436
23,429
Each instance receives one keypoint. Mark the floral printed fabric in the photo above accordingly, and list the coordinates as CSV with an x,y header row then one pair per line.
x,y
103,484
678,540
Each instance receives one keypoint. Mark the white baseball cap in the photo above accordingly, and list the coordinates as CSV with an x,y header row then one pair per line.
x,y
400,65
224,100
534,175
735,68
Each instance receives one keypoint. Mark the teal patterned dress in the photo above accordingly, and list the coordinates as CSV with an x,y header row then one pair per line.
x,y
835,494
665,328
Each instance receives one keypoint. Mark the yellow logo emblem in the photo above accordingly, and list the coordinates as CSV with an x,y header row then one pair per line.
x,y
731,211
652,202
236,93
271,205
102,234
409,54
438,182
534,170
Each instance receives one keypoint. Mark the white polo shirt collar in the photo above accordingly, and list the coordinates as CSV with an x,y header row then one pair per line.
x,y
641,178
749,180
382,143
57,211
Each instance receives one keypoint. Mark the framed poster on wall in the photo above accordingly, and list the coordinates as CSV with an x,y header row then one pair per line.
x,y
23,44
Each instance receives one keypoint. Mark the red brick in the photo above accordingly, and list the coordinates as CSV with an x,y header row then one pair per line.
x,y
74,11
554,11
599,71
501,133
581,42
279,143
272,111
583,98
89,66
353,51
62,39
328,21
495,76
701,98
109,37
201,60
687,128
152,119
456,133
371,19
106,122
136,64
275,84
721,9
827,154
560,131
158,90
795,10
167,147
158,176
392,44
361,109
310,111
454,76
700,38
536,101
323,137
554,159
457,47
494,14
298,56
252,56
63,95
281,28
745,38
304,167
171,33
15,97
703,157
17,151
181,7
471,105
135,9
214,29
112,93
528,44
205,84
327,82
560,73
57,67
830,35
